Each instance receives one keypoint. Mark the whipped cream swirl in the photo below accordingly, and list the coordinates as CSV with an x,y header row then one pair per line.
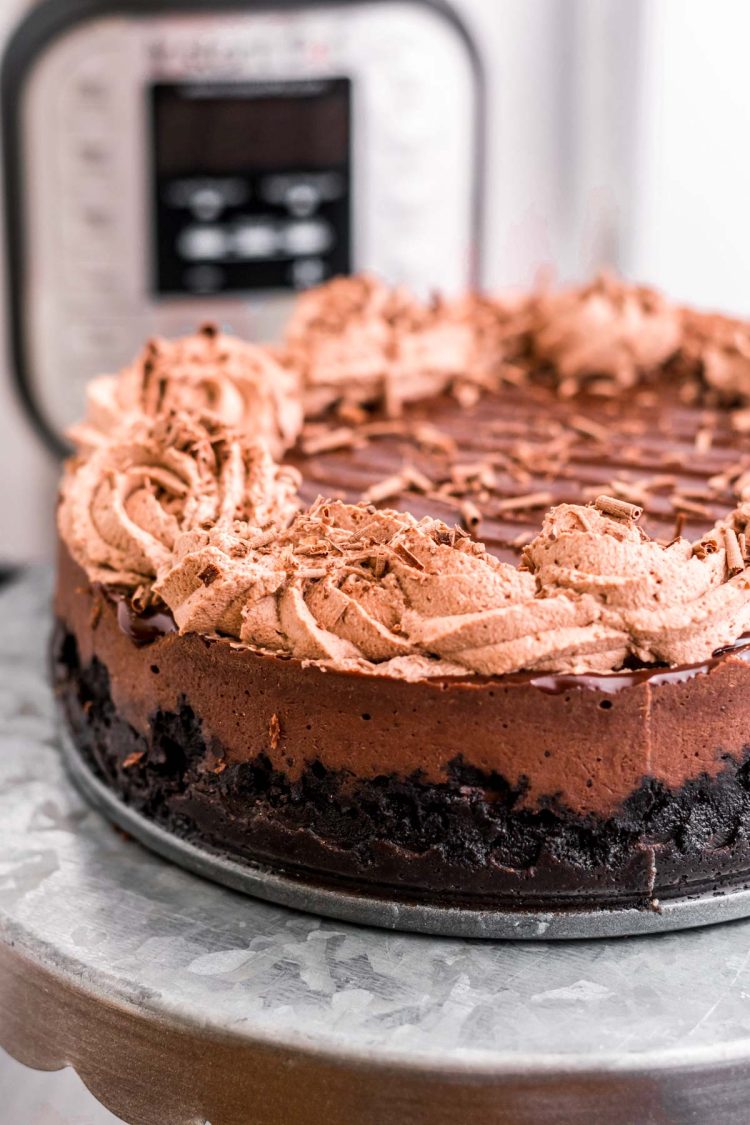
x,y
718,347
240,384
609,329
356,341
671,605
124,505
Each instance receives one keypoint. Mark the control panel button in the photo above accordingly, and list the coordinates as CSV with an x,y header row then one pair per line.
x,y
255,240
302,199
91,279
306,189
207,203
309,237
88,86
203,243
206,196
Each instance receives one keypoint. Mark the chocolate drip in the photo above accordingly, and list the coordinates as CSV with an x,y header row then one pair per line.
x,y
145,626
611,682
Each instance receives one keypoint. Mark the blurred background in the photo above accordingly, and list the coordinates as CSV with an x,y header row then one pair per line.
x,y
526,138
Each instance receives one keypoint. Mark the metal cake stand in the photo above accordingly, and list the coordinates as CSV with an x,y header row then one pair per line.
x,y
179,1001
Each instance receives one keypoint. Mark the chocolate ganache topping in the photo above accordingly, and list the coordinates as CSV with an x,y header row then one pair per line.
x,y
180,498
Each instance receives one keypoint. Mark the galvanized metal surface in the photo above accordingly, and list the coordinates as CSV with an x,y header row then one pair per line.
x,y
647,1028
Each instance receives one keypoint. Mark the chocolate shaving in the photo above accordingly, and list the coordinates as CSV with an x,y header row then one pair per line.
x,y
512,373
466,394
386,427
430,438
632,492
522,539
682,503
385,489
471,517
378,565
351,413
521,503
590,429
658,483
417,480
473,474
342,438
618,509
705,547
696,494
408,557
410,479
209,574
735,560
516,472
704,439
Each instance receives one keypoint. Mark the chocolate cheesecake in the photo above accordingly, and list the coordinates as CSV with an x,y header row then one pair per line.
x,y
444,602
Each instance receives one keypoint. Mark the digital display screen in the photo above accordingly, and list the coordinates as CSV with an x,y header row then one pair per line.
x,y
252,184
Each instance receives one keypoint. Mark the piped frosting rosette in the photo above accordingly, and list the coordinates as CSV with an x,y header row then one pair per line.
x,y
125,503
240,384
608,329
357,341
717,349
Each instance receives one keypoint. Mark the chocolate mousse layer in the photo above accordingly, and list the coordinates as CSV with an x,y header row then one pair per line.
x,y
557,790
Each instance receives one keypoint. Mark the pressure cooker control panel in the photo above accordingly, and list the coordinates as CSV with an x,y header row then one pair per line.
x,y
251,184
184,165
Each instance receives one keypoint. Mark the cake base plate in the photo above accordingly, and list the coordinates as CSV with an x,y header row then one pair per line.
x,y
399,914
